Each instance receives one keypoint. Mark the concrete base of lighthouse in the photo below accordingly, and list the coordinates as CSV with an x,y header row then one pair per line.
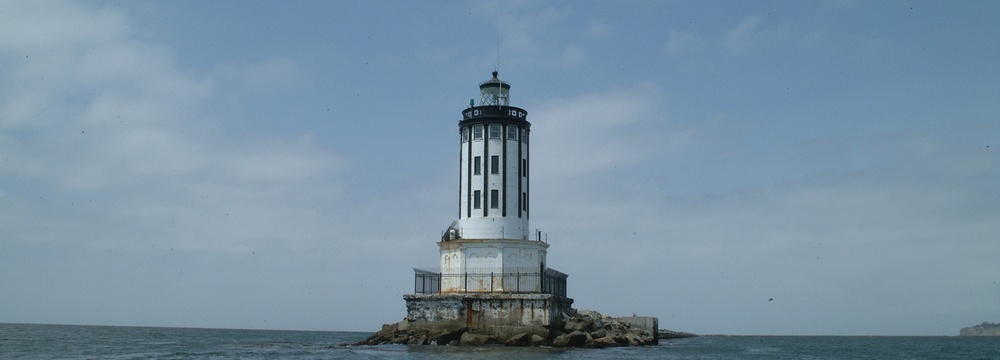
x,y
500,315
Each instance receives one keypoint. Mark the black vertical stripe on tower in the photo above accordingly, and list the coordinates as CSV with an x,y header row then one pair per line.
x,y
520,180
503,173
460,145
486,176
468,179
527,182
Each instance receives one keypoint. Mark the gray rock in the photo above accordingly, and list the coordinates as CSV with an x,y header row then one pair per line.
x,y
446,336
573,339
537,340
612,341
522,339
418,340
575,325
469,339
633,339
400,338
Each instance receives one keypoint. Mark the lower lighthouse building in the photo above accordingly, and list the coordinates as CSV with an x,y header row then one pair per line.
x,y
494,277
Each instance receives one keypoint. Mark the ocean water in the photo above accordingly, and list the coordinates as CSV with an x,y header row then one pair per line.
x,y
24,341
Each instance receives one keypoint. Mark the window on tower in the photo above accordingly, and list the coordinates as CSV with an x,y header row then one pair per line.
x,y
495,199
512,132
477,164
477,132
465,134
476,199
524,167
494,164
495,131
524,136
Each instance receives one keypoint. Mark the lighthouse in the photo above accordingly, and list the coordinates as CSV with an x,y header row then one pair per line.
x,y
494,284
493,276
491,234
493,175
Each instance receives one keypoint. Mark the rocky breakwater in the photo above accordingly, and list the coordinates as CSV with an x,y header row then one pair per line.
x,y
587,329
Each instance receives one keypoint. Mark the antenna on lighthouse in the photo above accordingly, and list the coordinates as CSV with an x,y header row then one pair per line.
x,y
496,69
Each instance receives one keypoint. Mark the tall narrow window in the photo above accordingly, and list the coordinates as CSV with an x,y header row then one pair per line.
x,y
512,132
524,135
477,132
495,199
465,134
524,201
494,164
477,164
476,199
495,131
524,167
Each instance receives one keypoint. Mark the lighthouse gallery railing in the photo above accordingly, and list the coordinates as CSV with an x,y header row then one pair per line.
x,y
547,282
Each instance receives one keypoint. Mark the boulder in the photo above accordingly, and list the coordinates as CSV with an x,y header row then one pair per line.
x,y
446,336
522,339
573,339
400,338
611,340
577,324
418,340
537,340
469,339
633,339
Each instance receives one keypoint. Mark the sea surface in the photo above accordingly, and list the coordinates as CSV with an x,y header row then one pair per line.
x,y
25,341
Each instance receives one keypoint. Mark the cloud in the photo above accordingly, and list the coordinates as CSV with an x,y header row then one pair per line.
x,y
519,30
115,159
596,133
572,127
525,29
28,27
132,118
266,75
599,29
749,34
572,56
896,220
741,37
681,42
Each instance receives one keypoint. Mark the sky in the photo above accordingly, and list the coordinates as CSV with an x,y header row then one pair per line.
x,y
731,167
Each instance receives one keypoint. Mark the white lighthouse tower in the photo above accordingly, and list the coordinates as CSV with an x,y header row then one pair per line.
x,y
493,175
493,276
491,235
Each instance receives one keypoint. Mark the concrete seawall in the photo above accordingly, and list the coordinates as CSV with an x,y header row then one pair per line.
x,y
648,324
501,315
